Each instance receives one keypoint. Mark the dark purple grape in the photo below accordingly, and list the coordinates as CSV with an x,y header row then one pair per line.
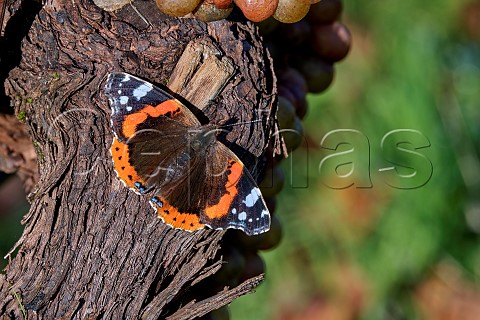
x,y
271,203
254,266
317,72
273,181
284,91
232,268
293,33
270,239
294,138
296,84
285,113
325,12
331,42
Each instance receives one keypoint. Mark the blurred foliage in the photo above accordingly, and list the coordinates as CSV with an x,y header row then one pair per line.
x,y
13,206
372,253
380,252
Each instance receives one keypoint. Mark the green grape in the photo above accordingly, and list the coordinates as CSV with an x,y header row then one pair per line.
x,y
177,8
108,5
209,12
290,11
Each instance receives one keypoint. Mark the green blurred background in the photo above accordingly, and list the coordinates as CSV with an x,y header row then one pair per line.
x,y
380,252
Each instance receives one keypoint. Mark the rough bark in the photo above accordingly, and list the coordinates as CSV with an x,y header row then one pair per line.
x,y
91,248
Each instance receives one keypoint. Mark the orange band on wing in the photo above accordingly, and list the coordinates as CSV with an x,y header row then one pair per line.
x,y
121,163
171,216
220,209
133,120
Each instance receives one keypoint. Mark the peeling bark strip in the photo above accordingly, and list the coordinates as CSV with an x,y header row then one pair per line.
x,y
91,248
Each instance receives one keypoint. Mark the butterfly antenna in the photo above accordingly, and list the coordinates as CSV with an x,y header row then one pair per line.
x,y
239,123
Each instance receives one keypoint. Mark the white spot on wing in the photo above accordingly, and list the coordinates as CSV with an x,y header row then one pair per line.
x,y
129,108
242,216
123,99
127,78
234,211
264,213
142,90
252,198
119,91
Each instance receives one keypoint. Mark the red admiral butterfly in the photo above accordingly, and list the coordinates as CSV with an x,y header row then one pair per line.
x,y
161,150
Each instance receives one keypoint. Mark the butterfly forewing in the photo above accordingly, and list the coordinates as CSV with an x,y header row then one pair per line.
x,y
134,100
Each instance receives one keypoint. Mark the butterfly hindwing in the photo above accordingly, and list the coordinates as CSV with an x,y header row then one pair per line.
x,y
229,197
239,203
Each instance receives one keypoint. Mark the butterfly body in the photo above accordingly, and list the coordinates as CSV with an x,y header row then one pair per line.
x,y
162,151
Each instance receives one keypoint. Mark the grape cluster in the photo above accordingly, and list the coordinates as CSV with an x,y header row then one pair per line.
x,y
304,54
287,11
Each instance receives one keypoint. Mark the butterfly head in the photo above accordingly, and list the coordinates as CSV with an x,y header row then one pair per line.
x,y
202,138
